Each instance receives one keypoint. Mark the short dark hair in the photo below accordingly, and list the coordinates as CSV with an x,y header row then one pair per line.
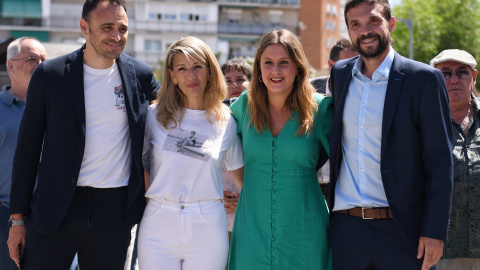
x,y
341,45
387,11
90,5
237,64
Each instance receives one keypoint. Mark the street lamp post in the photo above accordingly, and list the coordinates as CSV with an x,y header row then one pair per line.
x,y
409,23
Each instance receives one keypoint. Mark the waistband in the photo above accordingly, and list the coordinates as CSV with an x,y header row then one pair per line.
x,y
368,213
184,206
101,191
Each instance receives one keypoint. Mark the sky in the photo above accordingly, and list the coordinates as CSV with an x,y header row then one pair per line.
x,y
394,2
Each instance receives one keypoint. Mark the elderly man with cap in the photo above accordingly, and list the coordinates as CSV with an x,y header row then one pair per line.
x,y
462,250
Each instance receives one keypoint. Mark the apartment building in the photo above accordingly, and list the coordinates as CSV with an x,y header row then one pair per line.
x,y
242,22
320,26
232,28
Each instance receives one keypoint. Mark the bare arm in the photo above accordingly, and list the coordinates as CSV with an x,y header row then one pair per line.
x,y
146,179
237,176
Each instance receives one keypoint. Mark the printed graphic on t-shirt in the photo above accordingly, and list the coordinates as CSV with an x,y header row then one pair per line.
x,y
188,143
120,100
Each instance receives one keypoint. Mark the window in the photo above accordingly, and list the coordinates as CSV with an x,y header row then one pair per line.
x,y
329,8
153,45
170,17
189,17
234,15
275,16
334,10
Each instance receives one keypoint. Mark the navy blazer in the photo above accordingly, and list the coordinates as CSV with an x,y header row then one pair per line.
x,y
51,138
416,150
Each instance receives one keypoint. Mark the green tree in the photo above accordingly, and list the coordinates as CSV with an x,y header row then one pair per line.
x,y
438,25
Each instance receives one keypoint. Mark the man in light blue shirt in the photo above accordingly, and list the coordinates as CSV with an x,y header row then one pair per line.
x,y
391,166
361,139
23,56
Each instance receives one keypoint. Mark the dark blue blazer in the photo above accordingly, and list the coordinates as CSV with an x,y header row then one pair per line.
x,y
416,149
51,138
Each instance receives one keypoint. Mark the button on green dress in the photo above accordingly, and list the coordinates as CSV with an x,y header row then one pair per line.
x,y
282,217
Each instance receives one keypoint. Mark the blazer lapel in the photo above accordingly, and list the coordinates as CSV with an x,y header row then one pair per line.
x,y
343,93
74,72
339,104
391,98
127,73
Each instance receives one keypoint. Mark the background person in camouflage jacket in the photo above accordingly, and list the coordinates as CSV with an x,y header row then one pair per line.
x,y
462,250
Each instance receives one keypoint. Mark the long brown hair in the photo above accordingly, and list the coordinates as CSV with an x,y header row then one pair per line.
x,y
300,99
172,101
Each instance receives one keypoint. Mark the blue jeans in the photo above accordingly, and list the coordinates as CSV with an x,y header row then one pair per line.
x,y
5,261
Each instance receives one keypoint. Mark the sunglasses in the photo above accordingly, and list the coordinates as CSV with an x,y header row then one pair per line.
x,y
32,60
461,74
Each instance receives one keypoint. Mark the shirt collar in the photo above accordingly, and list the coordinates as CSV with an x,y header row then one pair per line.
x,y
476,103
5,96
382,71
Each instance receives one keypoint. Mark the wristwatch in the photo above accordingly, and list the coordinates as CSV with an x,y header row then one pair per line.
x,y
12,223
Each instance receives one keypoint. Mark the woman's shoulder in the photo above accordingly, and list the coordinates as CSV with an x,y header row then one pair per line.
x,y
240,104
323,101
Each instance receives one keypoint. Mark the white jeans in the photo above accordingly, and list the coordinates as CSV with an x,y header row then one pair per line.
x,y
188,236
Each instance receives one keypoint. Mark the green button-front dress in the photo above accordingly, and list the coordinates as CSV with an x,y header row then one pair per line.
x,y
282,218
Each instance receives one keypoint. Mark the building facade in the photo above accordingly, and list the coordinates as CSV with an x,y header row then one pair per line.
x,y
320,26
232,28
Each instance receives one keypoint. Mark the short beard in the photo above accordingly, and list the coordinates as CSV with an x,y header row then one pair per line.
x,y
383,43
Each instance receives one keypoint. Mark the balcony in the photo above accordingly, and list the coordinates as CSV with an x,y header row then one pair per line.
x,y
264,2
248,28
40,24
134,25
20,22
186,27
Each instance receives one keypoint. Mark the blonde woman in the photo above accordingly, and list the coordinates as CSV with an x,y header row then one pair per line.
x,y
282,218
184,225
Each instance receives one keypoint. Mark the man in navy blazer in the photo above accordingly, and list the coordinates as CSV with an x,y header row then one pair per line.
x,y
391,173
77,170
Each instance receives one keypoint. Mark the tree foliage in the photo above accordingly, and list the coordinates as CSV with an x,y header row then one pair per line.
x,y
438,25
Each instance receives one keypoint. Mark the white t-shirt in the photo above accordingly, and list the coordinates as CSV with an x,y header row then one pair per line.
x,y
107,154
186,161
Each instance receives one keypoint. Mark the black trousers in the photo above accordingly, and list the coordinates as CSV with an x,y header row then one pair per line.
x,y
94,227
359,244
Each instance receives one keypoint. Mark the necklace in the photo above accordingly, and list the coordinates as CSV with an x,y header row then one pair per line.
x,y
465,121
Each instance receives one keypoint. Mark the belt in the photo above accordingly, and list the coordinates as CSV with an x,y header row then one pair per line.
x,y
368,213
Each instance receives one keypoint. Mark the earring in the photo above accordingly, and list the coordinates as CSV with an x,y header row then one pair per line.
x,y
296,78
260,78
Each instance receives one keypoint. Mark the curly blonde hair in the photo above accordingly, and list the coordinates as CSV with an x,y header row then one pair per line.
x,y
300,99
171,101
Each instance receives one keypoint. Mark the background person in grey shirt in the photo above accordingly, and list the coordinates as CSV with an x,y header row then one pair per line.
x,y
23,56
